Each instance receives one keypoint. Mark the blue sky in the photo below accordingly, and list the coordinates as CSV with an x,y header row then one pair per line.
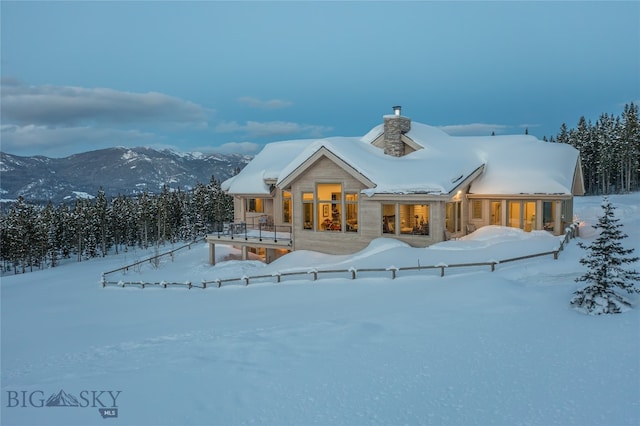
x,y
231,76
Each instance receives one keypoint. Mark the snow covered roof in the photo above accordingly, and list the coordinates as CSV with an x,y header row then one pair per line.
x,y
516,164
256,177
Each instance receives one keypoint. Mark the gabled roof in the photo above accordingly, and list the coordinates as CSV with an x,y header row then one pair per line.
x,y
256,177
516,164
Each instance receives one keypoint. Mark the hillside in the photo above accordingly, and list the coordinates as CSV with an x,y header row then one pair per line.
x,y
471,348
117,170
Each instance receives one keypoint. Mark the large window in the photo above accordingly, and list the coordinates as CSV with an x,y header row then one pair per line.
x,y
255,205
307,210
330,209
351,219
522,214
389,219
496,213
476,209
549,215
329,206
407,219
515,214
286,207
529,212
453,216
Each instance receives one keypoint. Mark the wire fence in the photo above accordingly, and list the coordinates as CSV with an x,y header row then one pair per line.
x,y
353,273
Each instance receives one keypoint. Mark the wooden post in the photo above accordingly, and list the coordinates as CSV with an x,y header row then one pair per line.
x,y
315,275
246,281
555,255
189,285
353,274
219,282
493,266
204,284
393,274
442,271
212,254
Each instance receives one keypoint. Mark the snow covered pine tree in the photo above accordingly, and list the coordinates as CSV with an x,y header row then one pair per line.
x,y
605,259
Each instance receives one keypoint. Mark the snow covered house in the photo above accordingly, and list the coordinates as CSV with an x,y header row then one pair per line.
x,y
402,180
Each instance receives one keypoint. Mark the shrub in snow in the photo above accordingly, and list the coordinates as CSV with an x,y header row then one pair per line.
x,y
605,259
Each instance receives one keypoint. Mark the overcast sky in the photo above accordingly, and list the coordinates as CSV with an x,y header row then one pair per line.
x,y
231,76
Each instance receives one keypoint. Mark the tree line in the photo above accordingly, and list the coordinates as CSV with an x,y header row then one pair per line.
x,y
609,151
36,236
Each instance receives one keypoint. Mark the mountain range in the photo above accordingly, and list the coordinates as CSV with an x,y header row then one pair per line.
x,y
125,171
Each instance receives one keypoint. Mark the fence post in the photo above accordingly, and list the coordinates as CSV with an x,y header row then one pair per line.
x,y
246,281
493,266
103,281
353,274
442,271
555,255
204,284
219,282
189,285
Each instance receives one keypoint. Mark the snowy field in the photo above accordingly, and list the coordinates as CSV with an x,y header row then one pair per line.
x,y
471,348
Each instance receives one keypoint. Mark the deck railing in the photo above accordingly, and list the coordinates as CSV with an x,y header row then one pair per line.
x,y
250,231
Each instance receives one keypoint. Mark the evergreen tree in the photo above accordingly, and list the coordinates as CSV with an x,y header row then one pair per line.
x,y
630,140
605,260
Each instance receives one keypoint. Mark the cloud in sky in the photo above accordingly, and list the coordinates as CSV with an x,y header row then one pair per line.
x,y
69,105
270,104
61,141
272,128
61,120
248,148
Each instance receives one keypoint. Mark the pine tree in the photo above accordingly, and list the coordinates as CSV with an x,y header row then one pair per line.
x,y
605,260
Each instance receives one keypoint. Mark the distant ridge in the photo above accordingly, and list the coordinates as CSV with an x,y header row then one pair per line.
x,y
118,170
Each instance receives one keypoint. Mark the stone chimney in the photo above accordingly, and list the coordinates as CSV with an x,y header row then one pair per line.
x,y
394,126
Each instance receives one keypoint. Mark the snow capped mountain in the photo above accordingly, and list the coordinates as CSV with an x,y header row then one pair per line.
x,y
117,170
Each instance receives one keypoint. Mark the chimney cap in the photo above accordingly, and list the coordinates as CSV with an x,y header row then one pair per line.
x,y
397,109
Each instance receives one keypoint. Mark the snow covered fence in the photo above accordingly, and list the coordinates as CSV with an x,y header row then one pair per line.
x,y
151,260
571,232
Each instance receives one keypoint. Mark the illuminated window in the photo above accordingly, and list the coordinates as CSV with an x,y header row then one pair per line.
x,y
307,210
330,209
412,219
496,213
286,207
515,208
255,205
522,214
388,218
453,216
351,219
329,205
529,215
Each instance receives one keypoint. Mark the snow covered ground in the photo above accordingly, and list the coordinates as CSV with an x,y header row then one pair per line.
x,y
471,348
